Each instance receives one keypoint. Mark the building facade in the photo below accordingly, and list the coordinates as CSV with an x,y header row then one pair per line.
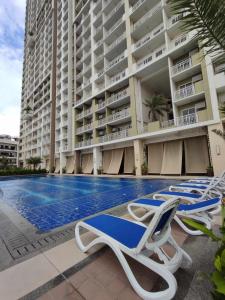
x,y
9,149
109,59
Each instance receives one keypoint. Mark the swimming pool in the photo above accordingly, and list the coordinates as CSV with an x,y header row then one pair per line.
x,y
53,201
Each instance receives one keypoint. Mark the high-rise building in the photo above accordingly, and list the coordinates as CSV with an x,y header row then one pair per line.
x,y
9,150
96,76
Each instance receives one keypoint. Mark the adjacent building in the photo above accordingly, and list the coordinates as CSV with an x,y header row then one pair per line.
x,y
9,149
90,67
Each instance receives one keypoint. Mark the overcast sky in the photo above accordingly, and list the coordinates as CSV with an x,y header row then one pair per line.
x,y
12,13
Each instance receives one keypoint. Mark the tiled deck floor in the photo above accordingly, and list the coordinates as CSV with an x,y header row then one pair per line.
x,y
104,279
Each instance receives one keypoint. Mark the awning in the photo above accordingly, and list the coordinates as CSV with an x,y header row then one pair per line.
x,y
196,155
106,160
155,158
70,164
57,165
117,156
87,163
172,158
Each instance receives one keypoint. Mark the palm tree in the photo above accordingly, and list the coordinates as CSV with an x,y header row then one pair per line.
x,y
34,161
4,162
158,105
207,18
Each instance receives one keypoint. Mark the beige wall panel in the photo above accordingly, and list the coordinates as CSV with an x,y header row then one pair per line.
x,y
172,158
155,157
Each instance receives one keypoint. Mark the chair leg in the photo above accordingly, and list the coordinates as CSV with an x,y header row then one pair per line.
x,y
142,218
197,218
149,263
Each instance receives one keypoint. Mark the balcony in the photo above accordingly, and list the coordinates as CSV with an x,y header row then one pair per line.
x,y
181,121
101,105
118,96
192,92
114,11
118,135
85,143
156,31
120,115
149,59
102,121
115,61
116,43
182,66
147,16
88,111
117,77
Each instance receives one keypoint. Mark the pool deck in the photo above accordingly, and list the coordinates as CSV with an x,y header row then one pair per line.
x,y
63,272
60,271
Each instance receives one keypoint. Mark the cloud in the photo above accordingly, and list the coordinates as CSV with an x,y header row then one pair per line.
x,y
12,14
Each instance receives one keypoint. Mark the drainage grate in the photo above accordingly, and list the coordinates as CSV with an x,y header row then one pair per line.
x,y
19,246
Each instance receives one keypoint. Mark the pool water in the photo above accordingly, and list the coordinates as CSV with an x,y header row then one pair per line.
x,y
53,201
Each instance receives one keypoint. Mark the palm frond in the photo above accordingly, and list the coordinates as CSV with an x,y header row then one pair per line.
x,y
207,18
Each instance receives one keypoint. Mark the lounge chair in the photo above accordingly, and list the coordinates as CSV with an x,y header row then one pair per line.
x,y
207,180
197,211
139,242
215,185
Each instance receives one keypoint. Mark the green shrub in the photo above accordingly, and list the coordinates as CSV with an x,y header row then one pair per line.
x,y
20,171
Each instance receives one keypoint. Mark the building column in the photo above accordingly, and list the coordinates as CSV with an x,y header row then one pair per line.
x,y
97,159
138,156
217,149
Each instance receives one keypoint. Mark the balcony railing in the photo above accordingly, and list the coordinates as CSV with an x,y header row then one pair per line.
x,y
102,121
136,5
118,77
149,36
115,9
114,44
181,121
120,21
118,96
185,92
88,111
151,58
101,104
119,115
115,61
147,16
85,143
182,66
179,41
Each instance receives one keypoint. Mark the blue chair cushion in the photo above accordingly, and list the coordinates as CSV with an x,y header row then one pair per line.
x,y
190,195
202,187
181,207
124,231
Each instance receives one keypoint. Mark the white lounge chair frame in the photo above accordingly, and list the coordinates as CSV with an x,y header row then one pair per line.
x,y
143,250
200,215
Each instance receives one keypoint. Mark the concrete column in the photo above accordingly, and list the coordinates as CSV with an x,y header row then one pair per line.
x,y
97,159
138,156
217,149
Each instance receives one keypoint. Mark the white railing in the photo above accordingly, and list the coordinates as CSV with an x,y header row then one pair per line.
x,y
149,36
182,66
114,26
100,73
185,92
136,5
175,19
118,135
88,111
99,43
118,96
88,127
147,15
118,77
80,115
150,58
115,61
181,121
115,9
114,44
102,121
179,40
85,143
119,115
101,104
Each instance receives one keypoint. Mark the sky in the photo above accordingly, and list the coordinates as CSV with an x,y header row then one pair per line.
x,y
12,14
